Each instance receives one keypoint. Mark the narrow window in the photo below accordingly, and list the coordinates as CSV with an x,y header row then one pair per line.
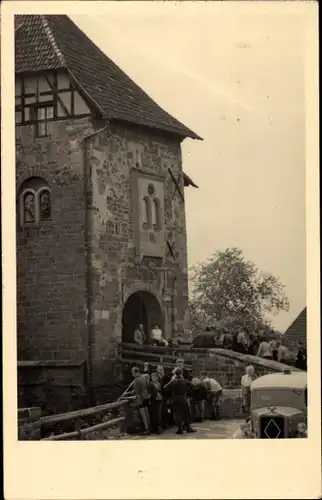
x,y
29,207
146,212
44,205
154,214
43,115
157,214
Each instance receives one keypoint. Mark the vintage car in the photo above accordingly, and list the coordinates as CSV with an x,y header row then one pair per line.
x,y
279,405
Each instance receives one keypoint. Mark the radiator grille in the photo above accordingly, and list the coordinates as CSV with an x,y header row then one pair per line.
x,y
272,427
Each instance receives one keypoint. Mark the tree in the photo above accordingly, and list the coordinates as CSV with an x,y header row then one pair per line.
x,y
229,291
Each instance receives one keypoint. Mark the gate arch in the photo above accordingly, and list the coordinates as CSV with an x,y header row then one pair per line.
x,y
141,307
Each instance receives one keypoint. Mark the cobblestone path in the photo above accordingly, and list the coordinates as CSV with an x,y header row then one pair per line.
x,y
224,429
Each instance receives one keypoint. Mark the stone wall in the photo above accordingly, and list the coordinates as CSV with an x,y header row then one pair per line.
x,y
51,287
118,270
228,367
67,310
224,365
53,386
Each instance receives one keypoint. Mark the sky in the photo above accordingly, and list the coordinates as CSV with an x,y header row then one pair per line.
x,y
237,80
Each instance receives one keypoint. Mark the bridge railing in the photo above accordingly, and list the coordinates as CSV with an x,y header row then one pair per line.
x,y
78,417
153,355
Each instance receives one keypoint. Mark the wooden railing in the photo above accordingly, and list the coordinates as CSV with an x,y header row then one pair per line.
x,y
79,415
153,355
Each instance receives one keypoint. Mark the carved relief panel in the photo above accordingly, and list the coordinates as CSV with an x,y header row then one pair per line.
x,y
148,214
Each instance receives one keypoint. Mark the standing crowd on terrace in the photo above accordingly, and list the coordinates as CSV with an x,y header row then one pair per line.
x,y
177,398
243,342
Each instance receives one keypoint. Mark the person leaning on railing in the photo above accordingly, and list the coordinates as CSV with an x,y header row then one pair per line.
x,y
198,394
214,394
140,388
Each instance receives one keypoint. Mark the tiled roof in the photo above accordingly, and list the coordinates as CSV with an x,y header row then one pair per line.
x,y
46,42
296,332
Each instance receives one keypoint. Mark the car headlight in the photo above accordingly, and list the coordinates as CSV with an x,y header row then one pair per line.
x,y
301,427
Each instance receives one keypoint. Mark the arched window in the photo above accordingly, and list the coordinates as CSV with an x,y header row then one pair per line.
x,y
44,204
35,201
29,206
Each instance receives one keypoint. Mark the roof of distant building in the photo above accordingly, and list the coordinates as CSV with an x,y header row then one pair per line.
x,y
52,42
296,332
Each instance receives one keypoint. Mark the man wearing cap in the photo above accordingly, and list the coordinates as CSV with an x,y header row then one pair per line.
x,y
178,387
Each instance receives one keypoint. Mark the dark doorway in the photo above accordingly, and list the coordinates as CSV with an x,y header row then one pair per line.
x,y
140,308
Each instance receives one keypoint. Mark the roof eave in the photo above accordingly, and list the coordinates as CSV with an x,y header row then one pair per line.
x,y
182,133
188,181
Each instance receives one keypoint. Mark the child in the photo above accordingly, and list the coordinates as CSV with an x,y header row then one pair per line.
x,y
245,430
154,389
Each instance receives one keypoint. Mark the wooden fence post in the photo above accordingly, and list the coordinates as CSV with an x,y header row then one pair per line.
x,y
77,428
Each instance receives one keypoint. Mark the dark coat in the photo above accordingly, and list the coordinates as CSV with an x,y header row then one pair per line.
x,y
187,374
155,392
179,387
198,392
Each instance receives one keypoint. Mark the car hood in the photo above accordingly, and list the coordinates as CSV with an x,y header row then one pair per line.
x,y
284,411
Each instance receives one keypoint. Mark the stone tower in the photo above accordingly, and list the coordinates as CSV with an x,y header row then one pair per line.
x,y
101,233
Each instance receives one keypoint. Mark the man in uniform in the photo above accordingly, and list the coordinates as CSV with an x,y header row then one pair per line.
x,y
178,387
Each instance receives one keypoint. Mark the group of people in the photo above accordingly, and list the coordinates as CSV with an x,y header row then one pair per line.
x,y
178,398
248,343
243,342
260,345
155,338
276,350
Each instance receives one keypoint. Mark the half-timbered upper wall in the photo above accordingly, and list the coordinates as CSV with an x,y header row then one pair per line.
x,y
47,96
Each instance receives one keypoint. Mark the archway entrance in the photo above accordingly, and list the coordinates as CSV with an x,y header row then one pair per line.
x,y
140,308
